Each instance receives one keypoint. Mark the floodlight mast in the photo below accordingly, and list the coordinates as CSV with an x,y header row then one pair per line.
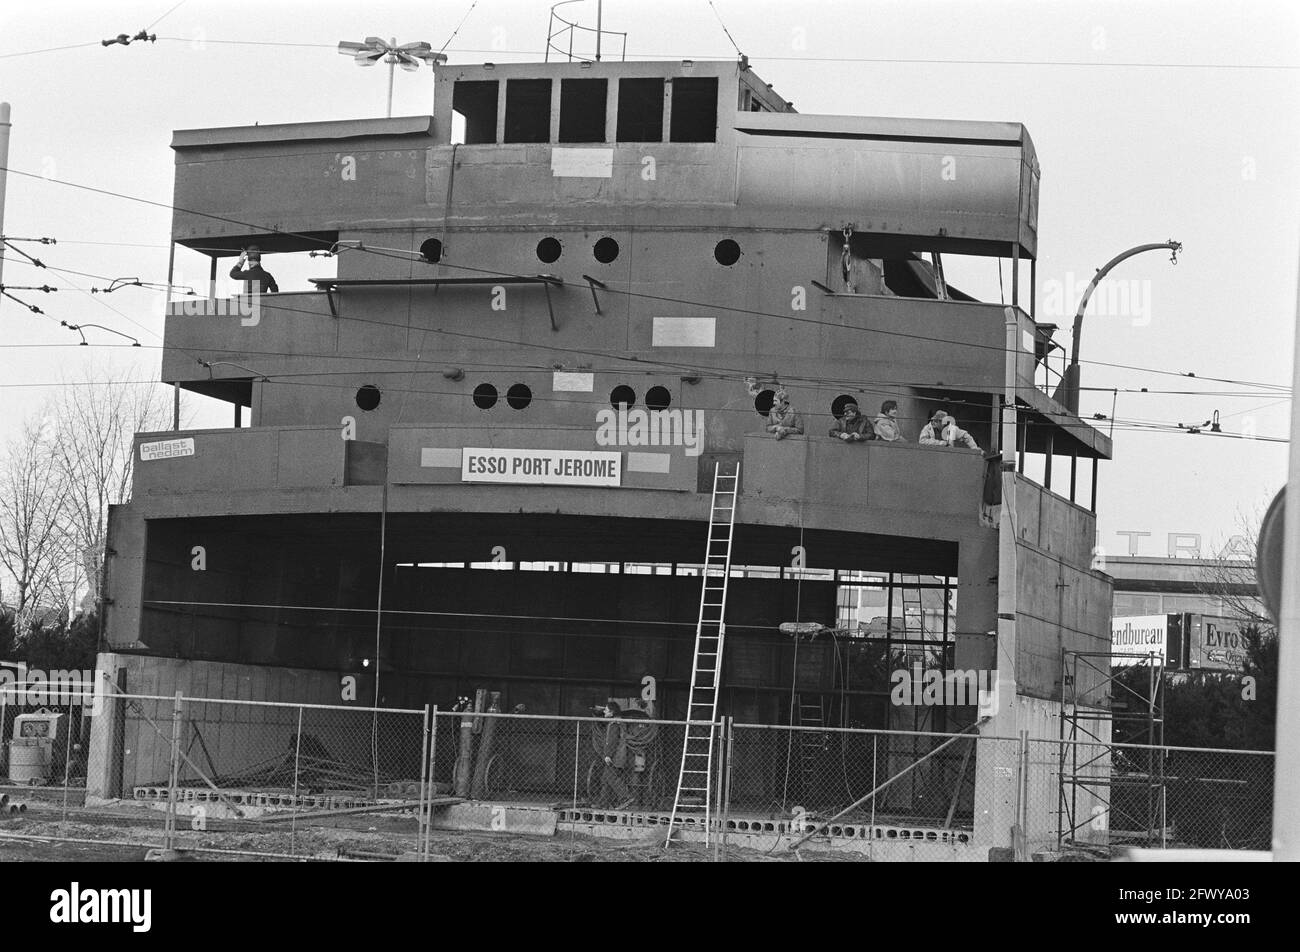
x,y
408,56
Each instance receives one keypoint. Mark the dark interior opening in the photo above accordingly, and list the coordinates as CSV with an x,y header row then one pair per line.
x,y
528,110
476,102
640,110
582,110
695,109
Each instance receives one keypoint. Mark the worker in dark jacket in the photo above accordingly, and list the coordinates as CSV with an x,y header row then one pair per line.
x,y
265,282
852,426
613,788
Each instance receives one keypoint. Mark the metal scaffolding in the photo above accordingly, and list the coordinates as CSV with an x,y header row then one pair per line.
x,y
1103,786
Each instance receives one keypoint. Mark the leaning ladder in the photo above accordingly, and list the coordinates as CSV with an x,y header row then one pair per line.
x,y
695,779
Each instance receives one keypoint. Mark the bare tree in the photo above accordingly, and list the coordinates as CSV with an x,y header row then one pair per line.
x,y
34,522
1230,577
97,420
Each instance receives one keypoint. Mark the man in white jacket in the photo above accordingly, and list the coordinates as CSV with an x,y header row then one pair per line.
x,y
942,430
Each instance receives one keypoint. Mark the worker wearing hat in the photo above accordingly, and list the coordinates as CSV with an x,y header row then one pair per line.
x,y
852,426
782,420
265,282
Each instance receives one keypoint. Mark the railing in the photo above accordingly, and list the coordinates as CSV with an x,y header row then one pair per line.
x,y
567,28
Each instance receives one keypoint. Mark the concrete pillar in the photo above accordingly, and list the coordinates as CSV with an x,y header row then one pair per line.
x,y
104,754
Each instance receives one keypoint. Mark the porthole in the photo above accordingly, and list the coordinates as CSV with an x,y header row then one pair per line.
x,y
431,250
658,398
837,405
485,396
763,402
726,252
519,396
368,397
605,250
622,395
548,250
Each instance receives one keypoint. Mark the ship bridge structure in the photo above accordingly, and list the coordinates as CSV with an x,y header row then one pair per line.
x,y
485,438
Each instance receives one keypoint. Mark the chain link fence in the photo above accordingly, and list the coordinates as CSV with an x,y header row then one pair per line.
x,y
1117,795
291,780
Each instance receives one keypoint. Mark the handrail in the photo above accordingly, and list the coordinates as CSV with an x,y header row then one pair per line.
x,y
570,27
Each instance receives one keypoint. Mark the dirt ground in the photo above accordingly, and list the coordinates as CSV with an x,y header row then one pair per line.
x,y
126,835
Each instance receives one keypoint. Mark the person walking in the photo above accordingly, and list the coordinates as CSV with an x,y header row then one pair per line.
x,y
614,792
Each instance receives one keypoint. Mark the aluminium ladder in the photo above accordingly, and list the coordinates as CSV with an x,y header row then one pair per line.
x,y
811,745
694,794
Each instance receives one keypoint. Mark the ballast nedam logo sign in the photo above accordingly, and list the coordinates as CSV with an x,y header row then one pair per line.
x,y
32,687
638,427
77,905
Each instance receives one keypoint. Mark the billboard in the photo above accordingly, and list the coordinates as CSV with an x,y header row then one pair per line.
x,y
1135,637
1216,644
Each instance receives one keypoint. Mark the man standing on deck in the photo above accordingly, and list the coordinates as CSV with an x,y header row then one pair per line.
x,y
265,282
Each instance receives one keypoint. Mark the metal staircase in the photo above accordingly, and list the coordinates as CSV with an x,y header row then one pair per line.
x,y
694,797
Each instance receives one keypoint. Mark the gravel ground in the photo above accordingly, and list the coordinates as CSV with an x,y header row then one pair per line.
x,y
369,837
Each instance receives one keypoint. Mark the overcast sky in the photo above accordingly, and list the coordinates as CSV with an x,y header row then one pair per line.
x,y
1151,120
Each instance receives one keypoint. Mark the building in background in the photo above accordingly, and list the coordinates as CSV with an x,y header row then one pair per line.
x,y
1155,585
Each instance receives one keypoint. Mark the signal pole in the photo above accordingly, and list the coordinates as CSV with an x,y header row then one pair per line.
x,y
4,175
1286,785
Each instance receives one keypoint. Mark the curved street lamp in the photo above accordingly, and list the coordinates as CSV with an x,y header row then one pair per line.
x,y
1067,393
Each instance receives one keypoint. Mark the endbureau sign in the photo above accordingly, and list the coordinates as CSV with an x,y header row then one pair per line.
x,y
551,467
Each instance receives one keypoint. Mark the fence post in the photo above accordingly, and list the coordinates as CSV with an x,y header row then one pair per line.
x,y
67,764
433,772
425,807
577,754
729,728
293,818
169,824
1022,798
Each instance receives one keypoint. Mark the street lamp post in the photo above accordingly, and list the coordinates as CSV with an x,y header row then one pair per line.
x,y
1067,393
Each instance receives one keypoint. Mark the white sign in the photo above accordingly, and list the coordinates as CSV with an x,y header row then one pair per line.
x,y
166,449
563,381
1137,636
540,467
582,163
683,332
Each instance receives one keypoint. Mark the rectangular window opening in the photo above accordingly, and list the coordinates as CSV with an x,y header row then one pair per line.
x,y
582,110
640,110
695,109
474,102
528,110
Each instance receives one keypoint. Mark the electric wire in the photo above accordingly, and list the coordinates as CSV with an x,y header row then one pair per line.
x,y
409,256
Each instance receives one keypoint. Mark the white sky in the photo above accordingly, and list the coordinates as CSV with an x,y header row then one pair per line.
x,y
1203,149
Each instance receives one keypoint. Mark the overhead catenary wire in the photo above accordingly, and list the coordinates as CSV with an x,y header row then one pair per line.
x,y
701,369
414,256
724,28
1120,425
850,384
443,48
897,60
